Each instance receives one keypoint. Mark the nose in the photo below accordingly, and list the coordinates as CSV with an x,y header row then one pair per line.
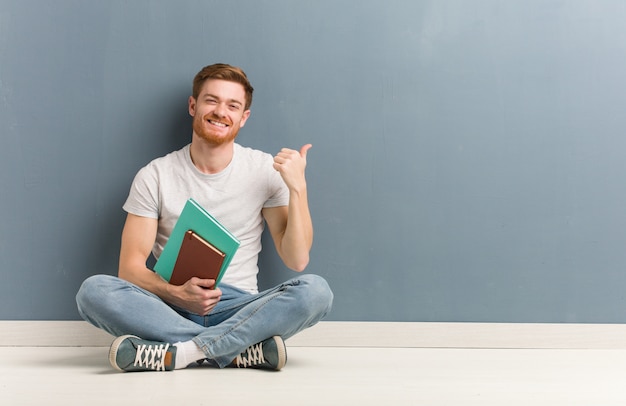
x,y
220,110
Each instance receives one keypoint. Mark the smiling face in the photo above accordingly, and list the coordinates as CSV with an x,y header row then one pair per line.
x,y
219,111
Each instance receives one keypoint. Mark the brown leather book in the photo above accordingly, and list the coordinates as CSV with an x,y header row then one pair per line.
x,y
198,258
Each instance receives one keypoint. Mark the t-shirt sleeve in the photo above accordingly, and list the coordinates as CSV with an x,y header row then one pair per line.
x,y
143,198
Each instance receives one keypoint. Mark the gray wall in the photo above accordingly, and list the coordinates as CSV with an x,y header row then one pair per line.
x,y
468,156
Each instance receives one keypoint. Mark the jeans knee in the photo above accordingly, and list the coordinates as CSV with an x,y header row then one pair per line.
x,y
91,293
317,295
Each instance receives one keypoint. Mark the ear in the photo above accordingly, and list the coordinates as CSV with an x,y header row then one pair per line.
x,y
244,118
192,106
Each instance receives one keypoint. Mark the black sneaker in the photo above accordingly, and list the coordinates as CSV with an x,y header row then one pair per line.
x,y
268,354
132,354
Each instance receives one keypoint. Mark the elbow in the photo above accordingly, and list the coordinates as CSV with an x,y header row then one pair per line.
x,y
300,264
124,274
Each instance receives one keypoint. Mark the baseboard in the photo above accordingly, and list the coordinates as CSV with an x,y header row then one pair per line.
x,y
360,334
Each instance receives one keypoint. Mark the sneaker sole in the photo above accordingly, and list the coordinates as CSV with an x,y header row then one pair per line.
x,y
113,351
282,352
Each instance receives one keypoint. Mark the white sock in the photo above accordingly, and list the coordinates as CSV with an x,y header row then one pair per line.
x,y
186,353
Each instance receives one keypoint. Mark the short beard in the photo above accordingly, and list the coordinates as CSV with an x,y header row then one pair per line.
x,y
208,136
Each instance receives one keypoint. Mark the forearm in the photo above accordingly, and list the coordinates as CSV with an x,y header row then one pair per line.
x,y
137,239
145,278
298,236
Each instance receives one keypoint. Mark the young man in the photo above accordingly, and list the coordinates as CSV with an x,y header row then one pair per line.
x,y
161,326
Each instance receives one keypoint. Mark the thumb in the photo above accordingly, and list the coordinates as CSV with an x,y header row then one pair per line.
x,y
304,150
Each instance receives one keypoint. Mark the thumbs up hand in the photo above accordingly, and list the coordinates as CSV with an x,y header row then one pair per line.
x,y
291,165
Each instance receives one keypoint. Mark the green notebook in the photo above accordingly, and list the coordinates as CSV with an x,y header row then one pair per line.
x,y
194,217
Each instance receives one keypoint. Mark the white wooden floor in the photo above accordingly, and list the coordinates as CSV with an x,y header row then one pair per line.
x,y
325,376
334,363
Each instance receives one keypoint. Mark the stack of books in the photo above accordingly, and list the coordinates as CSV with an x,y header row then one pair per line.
x,y
199,246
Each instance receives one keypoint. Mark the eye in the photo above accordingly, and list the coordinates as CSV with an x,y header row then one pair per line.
x,y
234,106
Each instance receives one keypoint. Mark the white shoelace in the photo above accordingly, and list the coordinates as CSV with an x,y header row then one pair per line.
x,y
253,356
151,356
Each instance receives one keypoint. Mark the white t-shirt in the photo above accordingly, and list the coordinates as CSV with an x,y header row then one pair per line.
x,y
235,197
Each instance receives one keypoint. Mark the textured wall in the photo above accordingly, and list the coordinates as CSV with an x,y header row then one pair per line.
x,y
467,161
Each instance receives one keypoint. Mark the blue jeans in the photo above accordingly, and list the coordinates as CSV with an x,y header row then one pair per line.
x,y
239,320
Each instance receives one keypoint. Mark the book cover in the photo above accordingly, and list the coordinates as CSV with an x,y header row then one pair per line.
x,y
196,257
194,217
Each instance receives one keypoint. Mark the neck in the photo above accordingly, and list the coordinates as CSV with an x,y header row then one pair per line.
x,y
208,158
